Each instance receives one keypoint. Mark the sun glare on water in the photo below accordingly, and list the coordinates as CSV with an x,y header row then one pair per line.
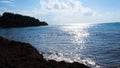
x,y
79,34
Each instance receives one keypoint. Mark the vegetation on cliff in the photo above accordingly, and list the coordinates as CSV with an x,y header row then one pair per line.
x,y
16,20
23,55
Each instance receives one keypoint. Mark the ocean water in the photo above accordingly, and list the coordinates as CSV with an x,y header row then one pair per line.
x,y
95,45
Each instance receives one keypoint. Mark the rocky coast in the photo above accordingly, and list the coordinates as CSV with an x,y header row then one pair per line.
x,y
23,55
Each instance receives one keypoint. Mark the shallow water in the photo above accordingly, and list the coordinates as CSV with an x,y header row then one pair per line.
x,y
96,45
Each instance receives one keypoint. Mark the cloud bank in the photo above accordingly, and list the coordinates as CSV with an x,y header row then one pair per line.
x,y
57,6
69,11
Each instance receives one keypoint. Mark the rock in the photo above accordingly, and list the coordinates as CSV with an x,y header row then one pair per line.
x,y
23,55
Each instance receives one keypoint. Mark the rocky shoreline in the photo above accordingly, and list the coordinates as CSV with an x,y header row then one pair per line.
x,y
23,55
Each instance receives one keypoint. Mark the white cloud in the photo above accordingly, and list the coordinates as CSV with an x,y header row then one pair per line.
x,y
5,1
69,11
59,6
9,2
73,12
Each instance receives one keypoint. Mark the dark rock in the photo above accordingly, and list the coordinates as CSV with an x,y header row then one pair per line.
x,y
23,55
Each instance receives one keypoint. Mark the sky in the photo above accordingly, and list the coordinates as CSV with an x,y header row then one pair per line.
x,y
65,12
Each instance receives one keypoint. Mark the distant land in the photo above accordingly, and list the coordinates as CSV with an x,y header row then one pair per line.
x,y
8,20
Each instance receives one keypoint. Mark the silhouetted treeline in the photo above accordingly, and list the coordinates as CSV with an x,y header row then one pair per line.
x,y
17,20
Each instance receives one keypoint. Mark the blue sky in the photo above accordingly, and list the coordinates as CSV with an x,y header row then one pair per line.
x,y
60,12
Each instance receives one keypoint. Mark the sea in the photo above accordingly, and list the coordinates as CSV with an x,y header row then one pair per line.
x,y
95,45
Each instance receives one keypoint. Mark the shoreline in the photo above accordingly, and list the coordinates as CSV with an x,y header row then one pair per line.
x,y
22,55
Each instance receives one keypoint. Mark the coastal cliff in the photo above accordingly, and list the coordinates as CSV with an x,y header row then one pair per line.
x,y
8,20
23,55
